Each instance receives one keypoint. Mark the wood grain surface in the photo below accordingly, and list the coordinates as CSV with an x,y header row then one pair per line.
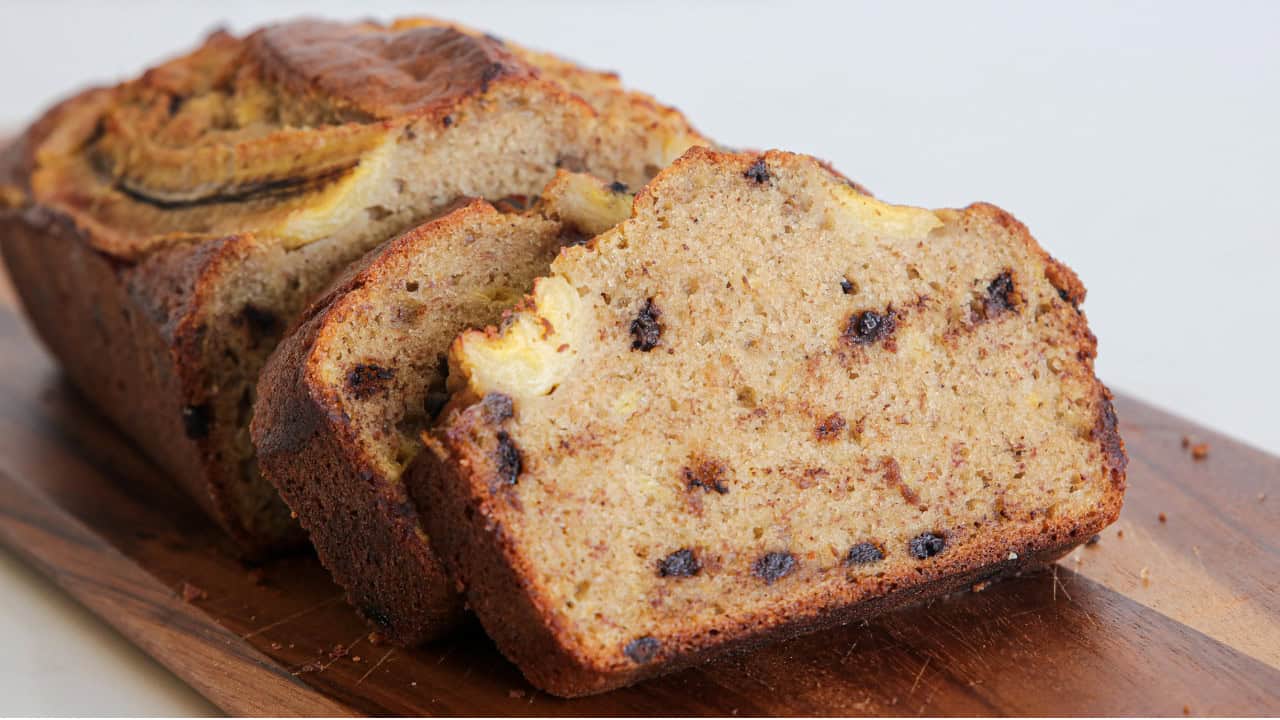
x,y
1175,610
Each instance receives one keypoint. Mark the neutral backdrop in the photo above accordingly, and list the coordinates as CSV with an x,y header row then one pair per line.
x,y
1141,145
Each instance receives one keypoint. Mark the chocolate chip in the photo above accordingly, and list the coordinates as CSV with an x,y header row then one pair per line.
x,y
507,459
708,475
366,380
497,407
845,286
618,187
196,420
680,563
759,172
864,553
830,428
773,566
642,649
448,120
645,328
1000,295
926,545
869,326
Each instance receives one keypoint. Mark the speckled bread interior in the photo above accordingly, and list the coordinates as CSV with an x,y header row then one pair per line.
x,y
341,402
765,403
166,232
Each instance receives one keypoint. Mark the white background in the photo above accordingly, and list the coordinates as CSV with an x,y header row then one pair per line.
x,y
1141,144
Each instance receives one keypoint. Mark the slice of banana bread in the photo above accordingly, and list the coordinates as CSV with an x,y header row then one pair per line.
x,y
764,404
165,232
342,400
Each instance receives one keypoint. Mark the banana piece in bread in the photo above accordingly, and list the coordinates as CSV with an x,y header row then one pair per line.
x,y
343,399
764,404
164,233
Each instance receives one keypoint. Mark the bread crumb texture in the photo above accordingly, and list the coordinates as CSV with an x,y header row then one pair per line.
x,y
767,395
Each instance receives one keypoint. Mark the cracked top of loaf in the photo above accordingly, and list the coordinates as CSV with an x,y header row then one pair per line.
x,y
298,129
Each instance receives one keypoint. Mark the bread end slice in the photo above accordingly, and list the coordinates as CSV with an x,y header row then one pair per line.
x,y
765,404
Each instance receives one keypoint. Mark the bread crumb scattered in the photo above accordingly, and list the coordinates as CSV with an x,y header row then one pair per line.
x,y
376,639
1163,518
191,593
355,658
515,694
276,646
1145,576
1262,496
980,586
1199,451
1119,533
1186,709
1186,442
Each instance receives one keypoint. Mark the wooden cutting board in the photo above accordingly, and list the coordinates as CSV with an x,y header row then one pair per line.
x,y
1175,610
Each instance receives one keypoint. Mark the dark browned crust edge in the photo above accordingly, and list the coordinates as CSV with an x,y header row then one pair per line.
x,y
363,525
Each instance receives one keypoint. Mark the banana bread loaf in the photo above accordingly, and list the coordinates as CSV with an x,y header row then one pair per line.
x,y
764,404
165,232
342,400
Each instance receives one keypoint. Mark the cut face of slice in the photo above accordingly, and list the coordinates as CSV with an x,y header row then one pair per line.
x,y
764,403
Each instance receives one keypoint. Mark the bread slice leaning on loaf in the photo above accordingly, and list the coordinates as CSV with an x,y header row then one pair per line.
x,y
164,233
343,399
764,404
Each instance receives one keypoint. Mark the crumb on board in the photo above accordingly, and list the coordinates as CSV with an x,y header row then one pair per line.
x,y
1163,518
1120,533
1145,575
1186,441
191,593
980,586
276,646
515,694
1262,496
338,651
376,639
355,658
293,515
1186,709
1199,451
